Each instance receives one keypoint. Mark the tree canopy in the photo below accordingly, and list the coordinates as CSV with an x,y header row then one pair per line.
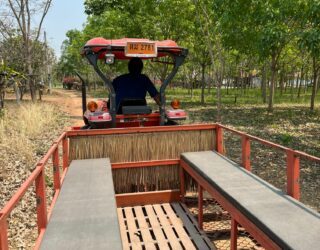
x,y
229,41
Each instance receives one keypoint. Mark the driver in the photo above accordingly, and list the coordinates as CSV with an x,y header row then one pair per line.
x,y
134,85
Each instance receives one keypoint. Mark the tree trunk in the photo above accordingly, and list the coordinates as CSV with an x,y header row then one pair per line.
x,y
291,88
281,81
300,83
17,92
272,84
32,89
228,85
192,87
315,82
264,84
32,85
2,91
306,81
203,67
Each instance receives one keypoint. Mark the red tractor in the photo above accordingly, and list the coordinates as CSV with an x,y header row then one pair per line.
x,y
135,112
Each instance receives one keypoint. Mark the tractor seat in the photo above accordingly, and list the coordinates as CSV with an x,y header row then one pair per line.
x,y
134,107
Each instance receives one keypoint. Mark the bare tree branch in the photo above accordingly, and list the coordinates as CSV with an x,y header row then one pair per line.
x,y
12,7
45,11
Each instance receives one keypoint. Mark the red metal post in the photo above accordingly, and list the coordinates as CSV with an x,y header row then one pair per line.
x,y
4,245
41,201
56,169
293,174
182,184
65,150
219,139
200,206
246,152
234,234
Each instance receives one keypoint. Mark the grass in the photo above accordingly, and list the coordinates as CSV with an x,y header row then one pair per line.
x,y
22,127
291,123
229,97
26,133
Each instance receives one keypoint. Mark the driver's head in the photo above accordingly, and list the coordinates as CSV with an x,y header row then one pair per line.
x,y
135,66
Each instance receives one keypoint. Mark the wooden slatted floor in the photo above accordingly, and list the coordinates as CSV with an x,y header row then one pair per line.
x,y
161,226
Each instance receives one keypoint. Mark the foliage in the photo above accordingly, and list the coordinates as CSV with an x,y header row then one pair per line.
x,y
229,41
19,28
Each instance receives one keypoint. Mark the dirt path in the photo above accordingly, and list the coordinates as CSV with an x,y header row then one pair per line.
x,y
69,101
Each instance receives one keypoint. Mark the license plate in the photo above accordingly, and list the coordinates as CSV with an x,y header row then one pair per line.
x,y
141,49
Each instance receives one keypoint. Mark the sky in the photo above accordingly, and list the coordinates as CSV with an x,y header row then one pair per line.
x,y
63,15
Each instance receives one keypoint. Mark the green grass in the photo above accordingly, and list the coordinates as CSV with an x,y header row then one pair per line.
x,y
235,96
291,123
231,97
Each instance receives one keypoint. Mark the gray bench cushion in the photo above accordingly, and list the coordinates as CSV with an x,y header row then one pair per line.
x,y
286,221
85,215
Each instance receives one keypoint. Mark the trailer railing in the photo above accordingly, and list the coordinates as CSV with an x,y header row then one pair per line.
x,y
37,178
292,157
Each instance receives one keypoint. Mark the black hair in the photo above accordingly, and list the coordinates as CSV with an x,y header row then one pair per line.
x,y
135,65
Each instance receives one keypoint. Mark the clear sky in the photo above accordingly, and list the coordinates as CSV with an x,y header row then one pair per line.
x,y
63,15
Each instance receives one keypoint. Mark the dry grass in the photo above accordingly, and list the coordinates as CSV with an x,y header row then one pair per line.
x,y
20,127
26,133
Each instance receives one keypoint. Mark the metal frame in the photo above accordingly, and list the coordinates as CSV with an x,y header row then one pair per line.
x,y
83,92
93,60
37,177
178,61
235,214
293,157
156,129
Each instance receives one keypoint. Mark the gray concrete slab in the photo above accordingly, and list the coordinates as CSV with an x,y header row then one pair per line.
x,y
288,222
85,215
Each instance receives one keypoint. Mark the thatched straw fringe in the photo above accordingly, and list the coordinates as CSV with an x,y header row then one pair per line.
x,y
143,147
146,179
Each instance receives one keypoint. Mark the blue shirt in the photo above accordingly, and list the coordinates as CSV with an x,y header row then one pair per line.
x,y
130,86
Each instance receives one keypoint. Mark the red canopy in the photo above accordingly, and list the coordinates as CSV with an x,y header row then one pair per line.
x,y
117,47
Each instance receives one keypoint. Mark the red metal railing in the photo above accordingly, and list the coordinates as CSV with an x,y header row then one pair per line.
x,y
37,178
293,187
292,156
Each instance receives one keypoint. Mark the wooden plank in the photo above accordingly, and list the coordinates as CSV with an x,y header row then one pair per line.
x,y
144,228
194,221
147,198
194,234
178,225
167,226
162,242
132,229
123,230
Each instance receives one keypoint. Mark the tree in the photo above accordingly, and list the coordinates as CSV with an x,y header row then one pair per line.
x,y
23,12
260,28
310,39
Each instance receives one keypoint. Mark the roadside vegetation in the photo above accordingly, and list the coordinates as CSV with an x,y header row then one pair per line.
x,y
26,133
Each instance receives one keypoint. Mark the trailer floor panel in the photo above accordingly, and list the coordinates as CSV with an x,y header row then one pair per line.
x,y
161,226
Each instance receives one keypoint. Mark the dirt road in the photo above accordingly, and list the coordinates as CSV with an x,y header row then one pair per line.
x,y
69,101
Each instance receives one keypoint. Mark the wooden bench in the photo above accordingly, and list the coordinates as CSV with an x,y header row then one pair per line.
x,y
85,214
275,219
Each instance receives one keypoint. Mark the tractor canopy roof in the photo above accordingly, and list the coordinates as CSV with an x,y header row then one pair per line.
x,y
126,48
